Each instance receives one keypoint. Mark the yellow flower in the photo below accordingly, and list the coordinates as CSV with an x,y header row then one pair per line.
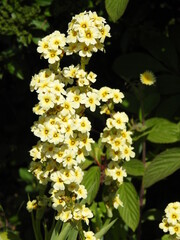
x,y
117,202
31,205
147,78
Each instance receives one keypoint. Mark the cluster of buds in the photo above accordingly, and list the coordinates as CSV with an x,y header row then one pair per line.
x,y
64,130
171,221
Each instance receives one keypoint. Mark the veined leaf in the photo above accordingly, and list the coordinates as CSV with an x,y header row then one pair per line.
x,y
130,212
163,131
162,166
134,167
91,181
116,8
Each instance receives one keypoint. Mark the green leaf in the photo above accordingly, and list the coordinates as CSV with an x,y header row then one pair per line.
x,y
125,67
36,39
25,175
104,229
130,103
163,84
163,50
116,8
97,151
39,24
98,209
91,181
73,233
15,69
166,237
162,166
29,188
165,108
150,102
134,167
8,236
4,236
44,3
64,232
163,131
130,212
56,230
86,163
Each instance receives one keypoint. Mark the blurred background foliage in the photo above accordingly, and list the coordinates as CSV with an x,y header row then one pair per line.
x,y
145,37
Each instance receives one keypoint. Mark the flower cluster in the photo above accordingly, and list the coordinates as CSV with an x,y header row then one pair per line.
x,y
64,130
86,34
171,221
64,134
118,143
51,46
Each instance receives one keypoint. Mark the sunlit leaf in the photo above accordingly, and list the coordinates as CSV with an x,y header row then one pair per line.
x,y
116,8
88,162
73,234
130,212
91,181
163,131
162,166
64,231
134,167
104,229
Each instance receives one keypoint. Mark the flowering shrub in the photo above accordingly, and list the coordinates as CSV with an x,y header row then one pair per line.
x,y
64,129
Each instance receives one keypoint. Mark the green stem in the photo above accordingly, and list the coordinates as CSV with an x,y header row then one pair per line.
x,y
81,234
84,62
34,226
55,66
141,194
38,224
